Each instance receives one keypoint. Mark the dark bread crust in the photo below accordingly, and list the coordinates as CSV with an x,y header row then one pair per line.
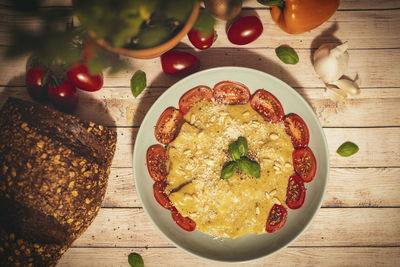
x,y
53,176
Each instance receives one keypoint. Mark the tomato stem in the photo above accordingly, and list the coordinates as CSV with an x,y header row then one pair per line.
x,y
278,3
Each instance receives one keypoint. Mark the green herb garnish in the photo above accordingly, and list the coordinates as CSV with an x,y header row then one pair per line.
x,y
229,170
135,260
287,55
138,83
347,149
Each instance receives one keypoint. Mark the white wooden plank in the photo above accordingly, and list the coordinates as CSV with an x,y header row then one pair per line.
x,y
366,63
291,256
347,187
127,227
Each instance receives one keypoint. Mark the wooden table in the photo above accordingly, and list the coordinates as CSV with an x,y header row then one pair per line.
x,y
359,222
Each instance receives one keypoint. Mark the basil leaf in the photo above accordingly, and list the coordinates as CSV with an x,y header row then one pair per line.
x,y
242,146
250,167
234,151
228,170
135,260
347,149
287,55
138,83
205,23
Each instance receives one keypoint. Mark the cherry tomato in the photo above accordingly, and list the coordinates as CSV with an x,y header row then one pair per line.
x,y
156,158
305,164
160,196
245,30
36,83
179,62
296,192
276,218
231,93
199,40
168,125
267,106
64,96
298,130
185,223
80,76
193,96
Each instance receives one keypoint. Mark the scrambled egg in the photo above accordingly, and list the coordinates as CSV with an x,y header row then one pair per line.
x,y
240,204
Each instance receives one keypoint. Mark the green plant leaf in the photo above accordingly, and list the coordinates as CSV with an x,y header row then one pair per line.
x,y
178,9
138,83
242,146
135,260
234,151
287,55
249,166
347,149
228,170
205,23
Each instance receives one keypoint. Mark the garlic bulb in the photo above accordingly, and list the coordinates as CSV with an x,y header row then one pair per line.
x,y
348,86
330,61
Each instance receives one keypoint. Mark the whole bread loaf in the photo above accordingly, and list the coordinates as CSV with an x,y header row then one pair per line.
x,y
53,177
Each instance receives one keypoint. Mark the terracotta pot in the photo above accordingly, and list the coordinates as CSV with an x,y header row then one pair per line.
x,y
156,51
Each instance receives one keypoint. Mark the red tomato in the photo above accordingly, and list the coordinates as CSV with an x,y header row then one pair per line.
x,y
160,196
36,83
305,164
296,192
179,62
199,40
298,130
184,222
267,106
276,218
231,93
168,125
245,30
193,96
64,96
80,76
156,158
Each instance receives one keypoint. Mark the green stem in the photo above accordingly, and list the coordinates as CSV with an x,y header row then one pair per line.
x,y
278,3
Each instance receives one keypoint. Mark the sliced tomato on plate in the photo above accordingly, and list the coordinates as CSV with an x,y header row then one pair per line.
x,y
305,164
231,93
156,159
267,105
193,96
185,223
296,192
160,196
276,219
298,130
168,125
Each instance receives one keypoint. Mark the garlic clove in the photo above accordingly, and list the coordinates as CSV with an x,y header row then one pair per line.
x,y
336,94
349,86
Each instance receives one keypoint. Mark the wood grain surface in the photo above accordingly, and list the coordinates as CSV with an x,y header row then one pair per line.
x,y
359,221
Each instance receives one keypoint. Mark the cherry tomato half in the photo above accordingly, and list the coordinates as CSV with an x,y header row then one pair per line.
x,y
168,125
304,164
245,30
36,83
267,106
199,40
231,93
179,62
156,158
160,196
296,192
298,130
276,219
80,76
64,96
185,223
193,96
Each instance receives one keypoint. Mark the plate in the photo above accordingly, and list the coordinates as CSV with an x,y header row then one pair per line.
x,y
250,246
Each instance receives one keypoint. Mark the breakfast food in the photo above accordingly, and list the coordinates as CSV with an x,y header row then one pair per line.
x,y
233,161
53,176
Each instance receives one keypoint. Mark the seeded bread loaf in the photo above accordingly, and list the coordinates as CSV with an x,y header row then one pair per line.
x,y
53,176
